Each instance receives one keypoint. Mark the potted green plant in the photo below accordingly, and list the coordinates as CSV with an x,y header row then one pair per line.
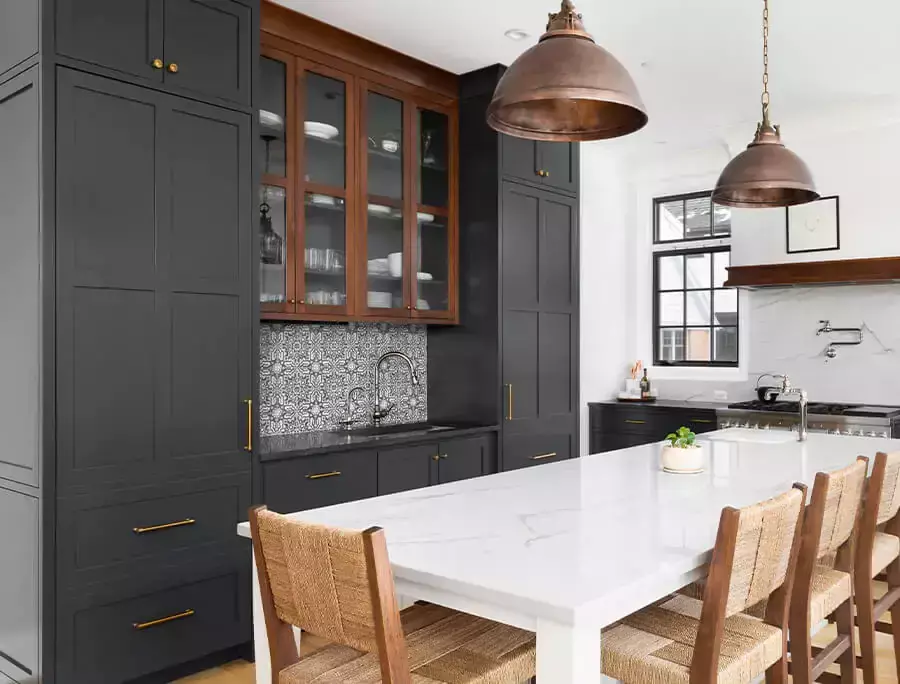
x,y
681,453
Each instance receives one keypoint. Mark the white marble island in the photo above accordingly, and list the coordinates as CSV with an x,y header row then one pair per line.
x,y
565,549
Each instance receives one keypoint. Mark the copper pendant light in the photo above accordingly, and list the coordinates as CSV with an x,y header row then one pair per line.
x,y
566,88
766,174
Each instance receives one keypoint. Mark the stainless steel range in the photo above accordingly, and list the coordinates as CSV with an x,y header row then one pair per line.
x,y
836,419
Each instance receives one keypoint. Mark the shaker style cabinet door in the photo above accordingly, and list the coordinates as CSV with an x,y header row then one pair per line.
x,y
207,47
539,323
122,36
153,293
559,165
519,158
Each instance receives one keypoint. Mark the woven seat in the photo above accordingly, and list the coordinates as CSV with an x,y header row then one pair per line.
x,y
337,584
830,588
444,646
886,547
684,639
657,644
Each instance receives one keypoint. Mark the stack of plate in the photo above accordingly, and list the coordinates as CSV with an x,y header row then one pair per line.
x,y
379,300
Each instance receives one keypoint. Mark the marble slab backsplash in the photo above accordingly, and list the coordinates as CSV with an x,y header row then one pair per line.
x,y
782,339
307,370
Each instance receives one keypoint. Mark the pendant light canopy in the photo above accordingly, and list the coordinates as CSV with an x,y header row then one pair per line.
x,y
566,88
766,174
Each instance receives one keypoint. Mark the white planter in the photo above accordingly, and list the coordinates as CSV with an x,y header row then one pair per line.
x,y
689,460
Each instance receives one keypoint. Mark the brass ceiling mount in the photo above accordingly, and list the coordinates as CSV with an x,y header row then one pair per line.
x,y
766,174
566,88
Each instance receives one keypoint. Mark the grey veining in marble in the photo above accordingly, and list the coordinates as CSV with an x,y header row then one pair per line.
x,y
307,370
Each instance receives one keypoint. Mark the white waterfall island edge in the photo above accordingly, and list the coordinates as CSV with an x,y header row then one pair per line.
x,y
566,548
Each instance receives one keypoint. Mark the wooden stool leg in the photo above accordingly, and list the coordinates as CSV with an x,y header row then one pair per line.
x,y
865,605
778,673
801,645
844,619
893,580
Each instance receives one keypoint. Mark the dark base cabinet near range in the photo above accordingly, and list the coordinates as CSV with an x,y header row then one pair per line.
x,y
302,481
615,425
126,167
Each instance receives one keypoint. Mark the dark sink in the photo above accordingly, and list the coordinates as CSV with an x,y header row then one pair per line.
x,y
405,429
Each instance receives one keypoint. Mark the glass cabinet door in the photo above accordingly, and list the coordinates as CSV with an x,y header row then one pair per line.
x,y
324,124
275,228
385,254
434,278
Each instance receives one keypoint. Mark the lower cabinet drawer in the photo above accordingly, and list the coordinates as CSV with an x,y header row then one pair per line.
x,y
123,532
523,450
111,642
305,482
605,441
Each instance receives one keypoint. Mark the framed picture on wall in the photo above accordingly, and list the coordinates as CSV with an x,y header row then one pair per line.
x,y
815,226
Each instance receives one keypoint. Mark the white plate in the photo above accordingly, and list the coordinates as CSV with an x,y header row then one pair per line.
x,y
423,277
424,217
380,300
380,210
323,131
322,200
683,472
270,120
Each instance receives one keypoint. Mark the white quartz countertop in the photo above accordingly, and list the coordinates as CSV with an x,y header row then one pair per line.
x,y
589,540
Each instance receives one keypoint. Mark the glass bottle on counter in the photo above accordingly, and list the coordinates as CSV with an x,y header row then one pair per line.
x,y
645,386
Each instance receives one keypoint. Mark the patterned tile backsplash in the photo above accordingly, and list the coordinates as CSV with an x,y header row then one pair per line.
x,y
307,370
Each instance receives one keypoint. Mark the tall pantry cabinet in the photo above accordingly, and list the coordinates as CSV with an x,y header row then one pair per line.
x,y
514,358
127,258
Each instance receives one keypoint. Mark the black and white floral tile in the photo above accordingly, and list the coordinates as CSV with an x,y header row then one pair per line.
x,y
307,370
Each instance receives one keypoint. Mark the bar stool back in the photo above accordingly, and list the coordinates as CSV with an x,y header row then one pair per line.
x,y
824,583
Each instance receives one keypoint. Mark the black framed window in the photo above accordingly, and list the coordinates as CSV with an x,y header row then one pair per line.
x,y
686,218
695,317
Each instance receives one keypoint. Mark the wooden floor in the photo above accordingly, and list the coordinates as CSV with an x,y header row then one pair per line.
x,y
241,672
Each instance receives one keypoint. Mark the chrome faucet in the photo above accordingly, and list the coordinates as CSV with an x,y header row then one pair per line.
x,y
380,413
788,390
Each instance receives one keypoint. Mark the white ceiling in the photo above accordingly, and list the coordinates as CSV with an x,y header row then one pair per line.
x,y
697,63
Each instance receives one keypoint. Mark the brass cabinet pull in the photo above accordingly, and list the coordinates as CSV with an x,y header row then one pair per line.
x,y
509,401
167,526
540,457
443,455
162,621
173,68
319,476
157,63
635,422
249,445
436,457
700,420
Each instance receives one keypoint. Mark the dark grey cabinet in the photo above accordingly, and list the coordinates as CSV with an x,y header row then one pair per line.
x,y
549,164
19,584
401,469
618,426
201,47
514,358
129,372
155,310
463,459
19,32
539,321
302,483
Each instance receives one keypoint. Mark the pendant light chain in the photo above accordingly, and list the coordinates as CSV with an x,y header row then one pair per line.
x,y
765,93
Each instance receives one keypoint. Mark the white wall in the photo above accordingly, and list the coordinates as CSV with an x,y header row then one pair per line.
x,y
855,159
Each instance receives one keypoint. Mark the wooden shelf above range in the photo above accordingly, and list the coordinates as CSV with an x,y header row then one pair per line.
x,y
810,273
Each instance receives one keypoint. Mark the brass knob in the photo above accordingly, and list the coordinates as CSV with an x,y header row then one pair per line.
x,y
435,458
539,172
293,301
303,301
157,63
546,174
173,68
408,308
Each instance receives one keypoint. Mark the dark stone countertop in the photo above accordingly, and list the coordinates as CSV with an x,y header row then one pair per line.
x,y
666,403
307,443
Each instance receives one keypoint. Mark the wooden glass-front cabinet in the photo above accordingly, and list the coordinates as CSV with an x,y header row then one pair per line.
x,y
357,203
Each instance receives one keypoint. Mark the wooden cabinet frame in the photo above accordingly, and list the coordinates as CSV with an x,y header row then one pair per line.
x,y
286,37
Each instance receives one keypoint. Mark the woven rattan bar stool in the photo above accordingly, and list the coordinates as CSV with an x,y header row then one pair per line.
x,y
878,549
824,582
685,640
337,584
